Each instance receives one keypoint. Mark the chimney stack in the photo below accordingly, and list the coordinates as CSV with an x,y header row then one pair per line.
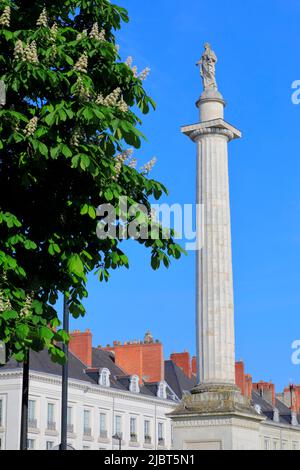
x,y
81,346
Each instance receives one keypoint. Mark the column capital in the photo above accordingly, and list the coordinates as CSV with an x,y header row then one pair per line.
x,y
216,126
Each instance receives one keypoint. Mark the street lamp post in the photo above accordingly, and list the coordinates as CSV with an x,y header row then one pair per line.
x,y
64,391
118,437
25,397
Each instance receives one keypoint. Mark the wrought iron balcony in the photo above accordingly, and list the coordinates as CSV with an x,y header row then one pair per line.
x,y
51,426
87,431
70,428
133,437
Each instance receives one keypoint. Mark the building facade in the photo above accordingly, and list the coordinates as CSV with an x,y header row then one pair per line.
x,y
105,399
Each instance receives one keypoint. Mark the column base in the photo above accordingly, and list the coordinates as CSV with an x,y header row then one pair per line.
x,y
215,398
216,416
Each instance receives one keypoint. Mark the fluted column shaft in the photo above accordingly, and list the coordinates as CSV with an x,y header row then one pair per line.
x,y
214,284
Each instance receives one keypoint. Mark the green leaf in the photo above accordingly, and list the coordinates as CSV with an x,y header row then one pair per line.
x,y
75,265
54,152
22,331
66,151
43,149
9,315
108,194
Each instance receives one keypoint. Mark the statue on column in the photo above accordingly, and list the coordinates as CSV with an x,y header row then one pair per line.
x,y
207,65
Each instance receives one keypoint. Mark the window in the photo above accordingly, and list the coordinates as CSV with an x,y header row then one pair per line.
x,y
31,414
30,444
134,384
0,443
161,439
266,444
133,434
103,430
1,413
50,416
104,377
118,424
275,445
162,390
284,445
147,435
49,445
70,419
87,423
294,446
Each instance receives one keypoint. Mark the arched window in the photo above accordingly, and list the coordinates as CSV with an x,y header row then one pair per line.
x,y
104,375
134,384
162,390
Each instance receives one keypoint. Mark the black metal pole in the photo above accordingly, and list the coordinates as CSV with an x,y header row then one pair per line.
x,y
25,395
64,390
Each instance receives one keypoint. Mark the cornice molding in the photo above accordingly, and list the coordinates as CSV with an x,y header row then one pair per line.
x,y
87,387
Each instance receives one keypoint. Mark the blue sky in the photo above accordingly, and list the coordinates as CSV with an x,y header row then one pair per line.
x,y
258,61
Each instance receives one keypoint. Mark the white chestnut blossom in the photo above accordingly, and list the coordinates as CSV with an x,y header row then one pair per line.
x,y
19,50
148,166
43,19
100,36
132,163
31,127
26,309
99,99
5,17
76,137
123,106
129,61
82,64
145,73
53,32
81,35
81,90
30,53
4,303
135,71
120,160
112,98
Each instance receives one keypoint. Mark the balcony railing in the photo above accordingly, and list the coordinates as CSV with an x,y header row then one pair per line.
x,y
147,439
87,431
103,434
133,437
70,428
161,441
32,423
51,426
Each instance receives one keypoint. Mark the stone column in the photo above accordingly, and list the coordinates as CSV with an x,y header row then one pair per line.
x,y
215,415
214,286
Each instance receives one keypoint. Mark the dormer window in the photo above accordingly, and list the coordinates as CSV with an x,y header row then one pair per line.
x,y
276,417
162,390
104,375
134,384
257,409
